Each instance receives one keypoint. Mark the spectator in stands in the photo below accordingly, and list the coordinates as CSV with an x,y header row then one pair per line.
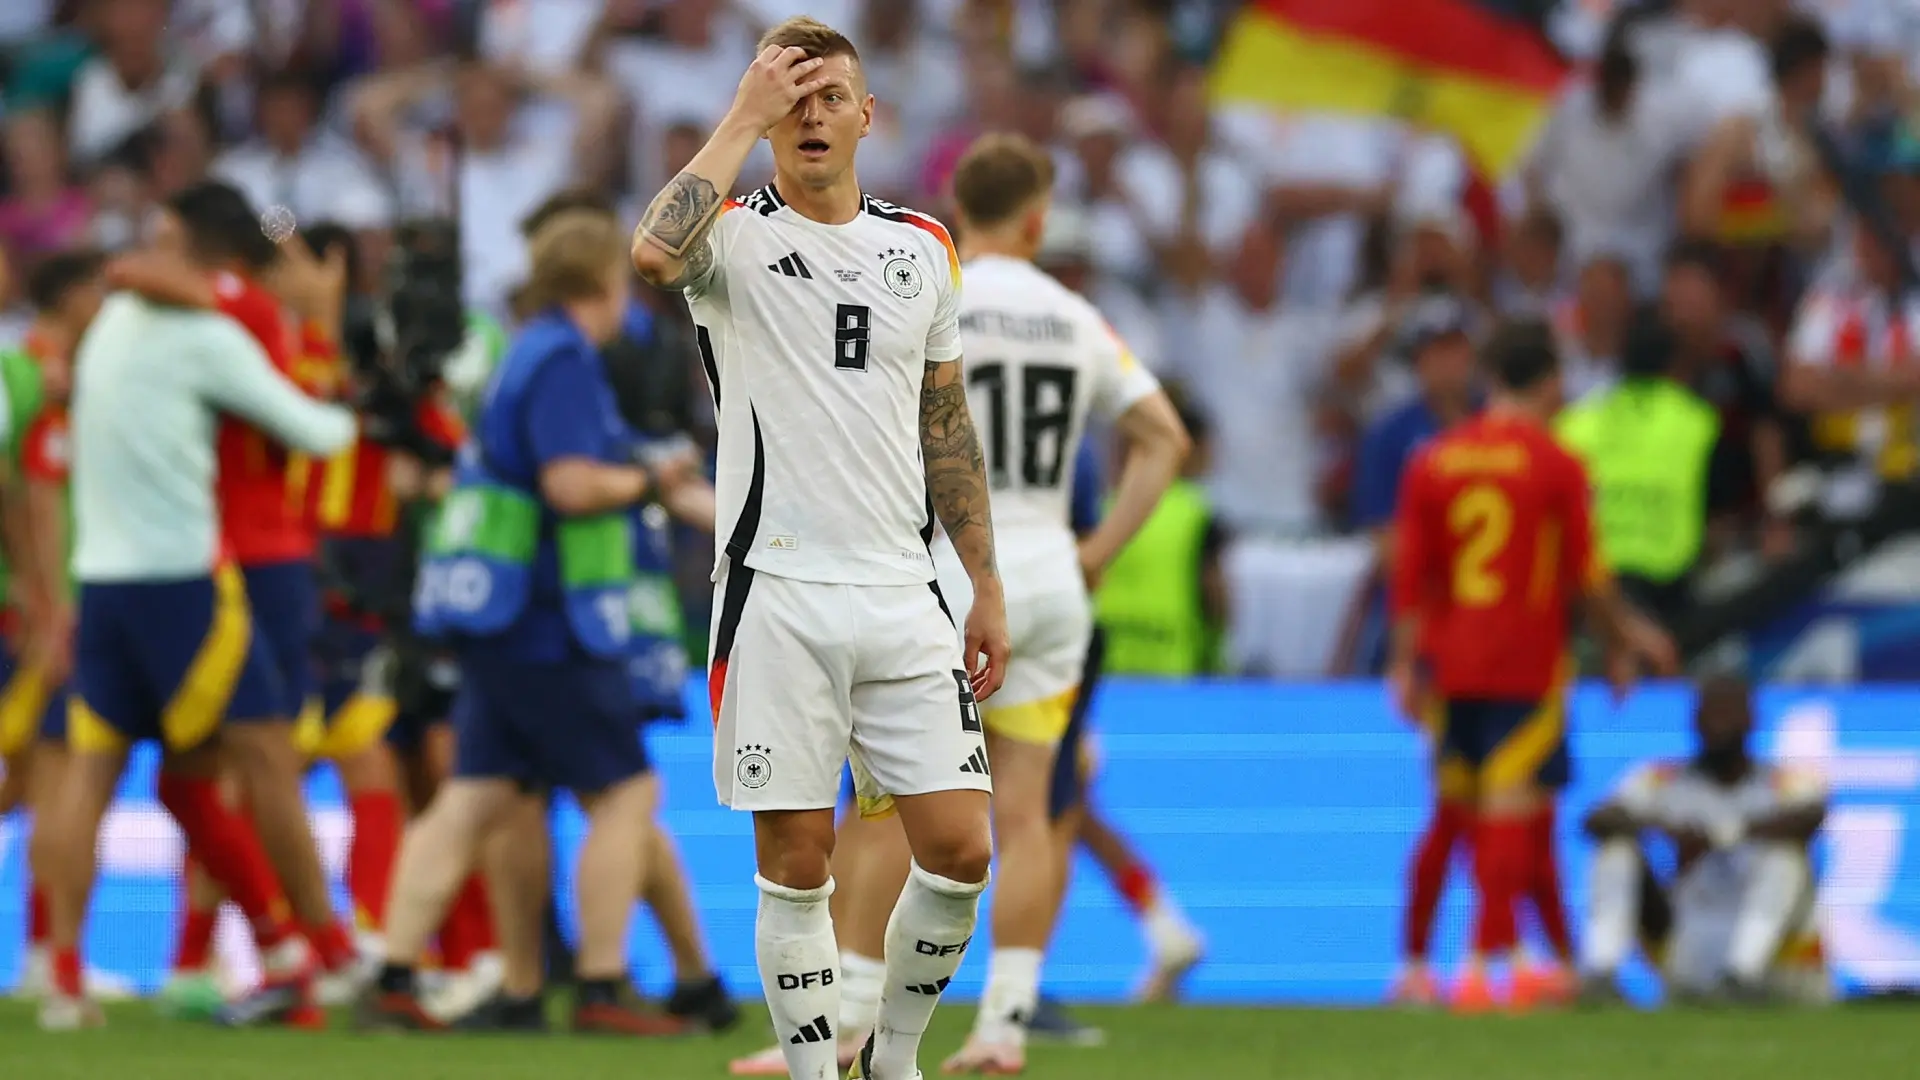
x,y
1592,326
294,164
44,211
1648,443
1850,366
1727,359
512,155
131,83
1256,367
1605,165
1528,282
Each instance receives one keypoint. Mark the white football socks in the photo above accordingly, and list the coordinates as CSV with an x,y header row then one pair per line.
x,y
1613,913
1013,992
1775,890
860,980
927,938
799,970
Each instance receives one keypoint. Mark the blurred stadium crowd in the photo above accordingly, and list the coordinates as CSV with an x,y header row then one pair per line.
x,y
1722,198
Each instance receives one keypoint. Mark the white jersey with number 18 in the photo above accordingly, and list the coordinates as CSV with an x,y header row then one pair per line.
x,y
815,340
1040,361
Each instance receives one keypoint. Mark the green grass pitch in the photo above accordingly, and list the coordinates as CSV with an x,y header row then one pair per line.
x,y
1860,1043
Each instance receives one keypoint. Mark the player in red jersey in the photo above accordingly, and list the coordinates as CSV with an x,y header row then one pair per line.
x,y
264,530
1496,551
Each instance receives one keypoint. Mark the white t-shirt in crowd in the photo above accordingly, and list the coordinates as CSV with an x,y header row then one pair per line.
x,y
1611,180
544,36
105,111
1256,375
816,339
1151,177
328,180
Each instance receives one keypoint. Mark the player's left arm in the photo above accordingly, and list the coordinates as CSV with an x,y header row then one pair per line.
x,y
162,278
956,469
1624,630
1156,445
1407,582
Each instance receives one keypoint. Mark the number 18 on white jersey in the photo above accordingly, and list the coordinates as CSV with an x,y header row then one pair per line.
x,y
1040,361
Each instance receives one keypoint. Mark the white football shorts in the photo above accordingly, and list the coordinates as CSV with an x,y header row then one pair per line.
x,y
806,677
1051,628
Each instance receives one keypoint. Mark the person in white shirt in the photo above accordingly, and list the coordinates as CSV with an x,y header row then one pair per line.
x,y
133,81
1739,919
319,176
828,323
165,649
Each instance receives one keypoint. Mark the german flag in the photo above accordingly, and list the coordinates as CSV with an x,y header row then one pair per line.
x,y
1463,67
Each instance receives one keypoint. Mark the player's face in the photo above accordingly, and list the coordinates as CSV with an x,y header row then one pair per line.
x,y
815,143
1446,366
1722,722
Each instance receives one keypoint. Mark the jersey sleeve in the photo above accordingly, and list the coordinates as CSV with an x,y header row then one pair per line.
x,y
943,337
712,285
237,376
1796,787
1119,378
1639,793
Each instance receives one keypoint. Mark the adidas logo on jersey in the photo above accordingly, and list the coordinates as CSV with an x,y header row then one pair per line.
x,y
792,266
977,764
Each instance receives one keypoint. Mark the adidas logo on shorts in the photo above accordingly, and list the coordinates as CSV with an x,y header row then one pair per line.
x,y
977,764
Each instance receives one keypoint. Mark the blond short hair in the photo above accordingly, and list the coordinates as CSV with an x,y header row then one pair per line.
x,y
573,254
1000,175
811,36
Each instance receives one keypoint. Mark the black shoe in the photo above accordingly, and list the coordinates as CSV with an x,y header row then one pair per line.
x,y
704,1004
1052,1023
507,1015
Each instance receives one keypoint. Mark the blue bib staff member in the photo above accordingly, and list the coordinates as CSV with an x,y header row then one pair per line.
x,y
528,573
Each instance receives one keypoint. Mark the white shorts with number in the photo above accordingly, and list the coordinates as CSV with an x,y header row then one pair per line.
x,y
805,677
1050,624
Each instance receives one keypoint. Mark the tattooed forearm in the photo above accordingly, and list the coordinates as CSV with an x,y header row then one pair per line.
x,y
956,469
670,246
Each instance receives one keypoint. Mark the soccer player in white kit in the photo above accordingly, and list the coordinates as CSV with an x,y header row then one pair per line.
x,y
1739,919
1044,362
828,322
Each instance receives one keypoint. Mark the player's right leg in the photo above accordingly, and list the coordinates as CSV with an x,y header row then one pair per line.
x,y
780,683
1510,743
1549,980
442,847
1626,904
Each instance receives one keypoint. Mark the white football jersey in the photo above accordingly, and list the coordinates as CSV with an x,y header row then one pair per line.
x,y
816,340
1040,361
1676,794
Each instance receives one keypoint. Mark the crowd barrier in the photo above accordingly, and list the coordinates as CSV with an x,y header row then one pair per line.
x,y
1280,815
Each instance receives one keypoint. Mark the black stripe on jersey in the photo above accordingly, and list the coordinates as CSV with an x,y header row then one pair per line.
x,y
764,201
800,266
748,524
707,361
732,606
881,208
941,598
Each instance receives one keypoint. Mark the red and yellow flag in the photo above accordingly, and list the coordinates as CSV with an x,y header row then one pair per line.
x,y
1457,66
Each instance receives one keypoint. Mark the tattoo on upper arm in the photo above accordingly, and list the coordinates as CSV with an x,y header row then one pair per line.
x,y
677,222
956,468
